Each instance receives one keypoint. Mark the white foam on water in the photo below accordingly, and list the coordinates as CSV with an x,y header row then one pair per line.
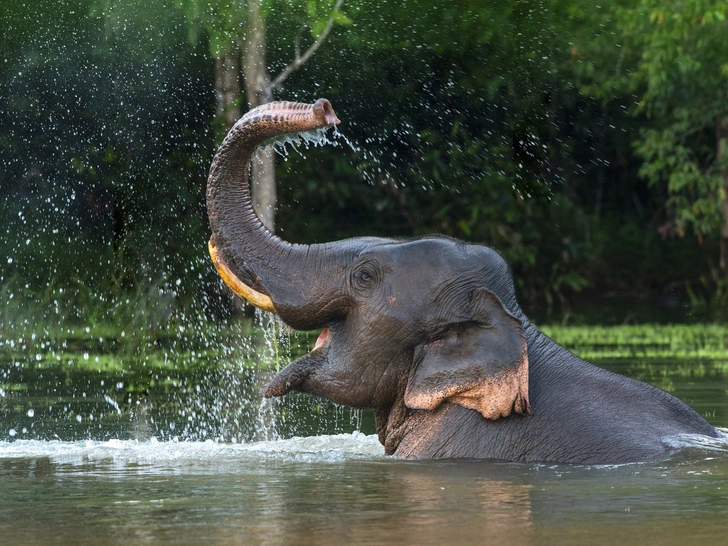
x,y
697,441
332,448
314,449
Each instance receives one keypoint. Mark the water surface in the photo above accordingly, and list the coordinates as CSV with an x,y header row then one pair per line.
x,y
341,489
193,455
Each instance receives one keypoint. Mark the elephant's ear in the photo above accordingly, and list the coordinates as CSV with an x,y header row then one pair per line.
x,y
481,364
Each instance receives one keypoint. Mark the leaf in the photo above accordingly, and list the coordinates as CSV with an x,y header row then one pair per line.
x,y
318,27
341,19
464,227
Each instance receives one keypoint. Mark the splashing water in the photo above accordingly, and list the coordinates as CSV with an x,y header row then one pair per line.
x,y
210,387
307,139
277,342
266,420
701,443
327,448
315,138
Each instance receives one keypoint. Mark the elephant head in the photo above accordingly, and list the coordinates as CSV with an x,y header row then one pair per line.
x,y
408,325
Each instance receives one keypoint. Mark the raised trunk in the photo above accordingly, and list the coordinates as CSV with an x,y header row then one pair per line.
x,y
264,187
298,278
258,92
721,129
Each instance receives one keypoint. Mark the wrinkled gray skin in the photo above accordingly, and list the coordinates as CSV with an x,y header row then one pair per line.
x,y
429,334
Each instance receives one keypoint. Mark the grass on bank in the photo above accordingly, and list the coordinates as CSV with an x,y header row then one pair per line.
x,y
103,348
684,342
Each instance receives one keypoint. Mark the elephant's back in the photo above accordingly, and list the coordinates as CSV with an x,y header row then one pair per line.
x,y
602,416
580,413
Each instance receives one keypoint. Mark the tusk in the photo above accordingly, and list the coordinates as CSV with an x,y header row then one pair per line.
x,y
261,301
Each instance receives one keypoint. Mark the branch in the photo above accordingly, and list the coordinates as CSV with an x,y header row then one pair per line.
x,y
300,59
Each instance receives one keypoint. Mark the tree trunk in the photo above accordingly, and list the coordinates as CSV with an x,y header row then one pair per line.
x,y
258,91
721,129
227,88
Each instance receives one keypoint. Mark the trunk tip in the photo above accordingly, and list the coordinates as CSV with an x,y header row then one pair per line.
x,y
325,112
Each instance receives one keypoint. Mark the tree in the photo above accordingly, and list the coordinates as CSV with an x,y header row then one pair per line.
x,y
681,79
239,39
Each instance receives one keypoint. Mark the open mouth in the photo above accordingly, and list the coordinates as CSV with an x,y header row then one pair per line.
x,y
322,340
296,375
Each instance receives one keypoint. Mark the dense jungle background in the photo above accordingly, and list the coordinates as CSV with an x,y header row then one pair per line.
x,y
587,143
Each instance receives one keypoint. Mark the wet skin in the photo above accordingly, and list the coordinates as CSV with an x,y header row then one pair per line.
x,y
428,333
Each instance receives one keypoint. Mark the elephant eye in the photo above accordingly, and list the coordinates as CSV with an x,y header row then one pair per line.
x,y
365,275
363,278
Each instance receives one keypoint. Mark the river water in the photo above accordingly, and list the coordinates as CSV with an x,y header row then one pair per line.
x,y
197,458
340,489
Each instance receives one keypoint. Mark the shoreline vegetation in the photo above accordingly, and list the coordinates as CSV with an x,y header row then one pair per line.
x,y
104,348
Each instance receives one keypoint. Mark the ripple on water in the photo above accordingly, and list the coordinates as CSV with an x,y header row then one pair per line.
x,y
700,442
331,448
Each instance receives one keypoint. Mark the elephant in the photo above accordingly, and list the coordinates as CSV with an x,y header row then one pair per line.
x,y
427,332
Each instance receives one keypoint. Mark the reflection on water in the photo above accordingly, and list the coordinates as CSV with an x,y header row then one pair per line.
x,y
341,489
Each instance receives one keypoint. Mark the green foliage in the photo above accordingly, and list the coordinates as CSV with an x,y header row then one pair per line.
x,y
101,193
220,22
698,341
224,23
673,154
710,298
508,123
680,73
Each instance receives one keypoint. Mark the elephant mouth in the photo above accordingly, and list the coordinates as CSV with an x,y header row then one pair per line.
x,y
323,339
298,375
